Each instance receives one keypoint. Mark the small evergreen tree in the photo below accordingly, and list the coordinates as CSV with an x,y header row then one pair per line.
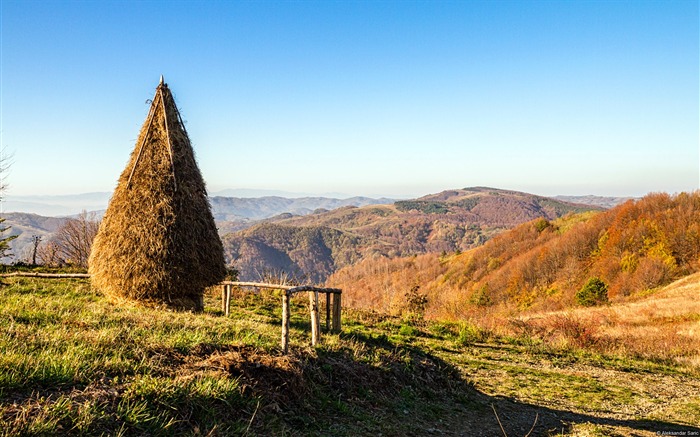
x,y
4,241
595,292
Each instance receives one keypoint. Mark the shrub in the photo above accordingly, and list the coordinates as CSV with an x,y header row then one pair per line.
x,y
577,332
595,292
416,303
481,296
541,224
470,333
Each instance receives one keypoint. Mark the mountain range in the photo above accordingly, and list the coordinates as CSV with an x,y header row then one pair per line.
x,y
237,208
311,237
313,246
231,213
56,206
241,202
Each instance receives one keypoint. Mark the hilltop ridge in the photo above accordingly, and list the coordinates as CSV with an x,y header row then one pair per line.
x,y
313,246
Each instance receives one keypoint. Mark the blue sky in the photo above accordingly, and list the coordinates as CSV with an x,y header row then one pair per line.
x,y
358,97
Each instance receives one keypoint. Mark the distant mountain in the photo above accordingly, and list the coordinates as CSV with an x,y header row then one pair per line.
x,y
236,208
250,192
224,208
338,232
307,253
231,213
56,206
600,201
314,245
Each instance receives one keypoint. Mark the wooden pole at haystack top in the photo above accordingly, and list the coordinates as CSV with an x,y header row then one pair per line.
x,y
157,242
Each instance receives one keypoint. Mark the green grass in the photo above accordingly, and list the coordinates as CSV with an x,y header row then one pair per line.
x,y
71,363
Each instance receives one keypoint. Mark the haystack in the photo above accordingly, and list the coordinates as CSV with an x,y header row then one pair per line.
x,y
157,241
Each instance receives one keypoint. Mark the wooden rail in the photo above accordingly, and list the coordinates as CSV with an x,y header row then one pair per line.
x,y
46,275
333,306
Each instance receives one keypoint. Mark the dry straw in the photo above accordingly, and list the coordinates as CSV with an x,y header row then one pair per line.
x,y
158,242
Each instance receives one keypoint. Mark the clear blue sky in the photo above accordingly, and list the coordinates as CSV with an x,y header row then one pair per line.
x,y
360,97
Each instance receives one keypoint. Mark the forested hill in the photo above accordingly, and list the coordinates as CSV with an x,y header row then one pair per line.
x,y
314,246
540,265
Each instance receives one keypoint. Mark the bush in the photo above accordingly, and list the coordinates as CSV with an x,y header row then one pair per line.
x,y
480,297
416,303
470,333
595,292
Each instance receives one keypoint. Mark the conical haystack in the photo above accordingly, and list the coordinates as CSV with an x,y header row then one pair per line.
x,y
158,241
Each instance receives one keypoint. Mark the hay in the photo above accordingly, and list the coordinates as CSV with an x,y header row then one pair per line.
x,y
157,241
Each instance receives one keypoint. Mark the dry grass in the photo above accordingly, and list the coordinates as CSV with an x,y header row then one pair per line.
x,y
664,325
158,241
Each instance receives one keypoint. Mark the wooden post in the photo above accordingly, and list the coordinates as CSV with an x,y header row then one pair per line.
x,y
336,312
313,306
328,311
285,322
228,300
223,298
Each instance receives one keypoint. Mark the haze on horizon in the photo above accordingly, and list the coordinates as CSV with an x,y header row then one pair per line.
x,y
362,98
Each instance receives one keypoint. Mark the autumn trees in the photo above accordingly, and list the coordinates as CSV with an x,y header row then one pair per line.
x,y
71,243
543,264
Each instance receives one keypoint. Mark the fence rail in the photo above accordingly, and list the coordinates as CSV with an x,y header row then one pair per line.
x,y
45,275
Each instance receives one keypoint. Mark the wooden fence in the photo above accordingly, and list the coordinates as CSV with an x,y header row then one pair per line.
x,y
45,275
333,302
333,306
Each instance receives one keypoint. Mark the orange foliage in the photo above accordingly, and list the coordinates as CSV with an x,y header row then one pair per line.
x,y
539,265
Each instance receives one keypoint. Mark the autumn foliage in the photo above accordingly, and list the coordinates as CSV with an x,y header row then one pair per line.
x,y
637,246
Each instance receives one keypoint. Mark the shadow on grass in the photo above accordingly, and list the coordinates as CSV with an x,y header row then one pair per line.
x,y
403,390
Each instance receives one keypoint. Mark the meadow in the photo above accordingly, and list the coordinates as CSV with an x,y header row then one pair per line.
x,y
72,363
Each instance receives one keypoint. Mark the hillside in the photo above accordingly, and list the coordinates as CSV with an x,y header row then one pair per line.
x,y
317,244
71,363
306,253
25,226
541,264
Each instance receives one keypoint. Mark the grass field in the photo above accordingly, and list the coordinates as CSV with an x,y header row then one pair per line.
x,y
71,363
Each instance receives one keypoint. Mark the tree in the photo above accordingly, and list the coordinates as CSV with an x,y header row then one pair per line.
x,y
36,239
49,254
4,241
74,239
595,292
